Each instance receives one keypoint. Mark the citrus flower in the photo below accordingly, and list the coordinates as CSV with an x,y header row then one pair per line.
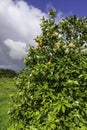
x,y
67,51
37,47
64,46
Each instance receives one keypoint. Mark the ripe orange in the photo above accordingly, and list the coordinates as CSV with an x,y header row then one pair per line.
x,y
37,39
41,43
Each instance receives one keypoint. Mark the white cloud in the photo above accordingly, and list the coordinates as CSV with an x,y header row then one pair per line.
x,y
19,22
17,49
19,25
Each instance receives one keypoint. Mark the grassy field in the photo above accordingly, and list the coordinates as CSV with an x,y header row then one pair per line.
x,y
7,87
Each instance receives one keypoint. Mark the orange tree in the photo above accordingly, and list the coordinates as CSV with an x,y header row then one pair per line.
x,y
52,88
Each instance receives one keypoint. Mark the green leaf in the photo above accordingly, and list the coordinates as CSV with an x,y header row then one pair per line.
x,y
52,126
63,108
68,104
59,107
54,78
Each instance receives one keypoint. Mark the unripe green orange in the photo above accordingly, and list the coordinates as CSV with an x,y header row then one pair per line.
x,y
57,44
46,67
49,63
72,45
54,35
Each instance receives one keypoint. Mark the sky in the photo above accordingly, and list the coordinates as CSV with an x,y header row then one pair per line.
x,y
68,7
20,24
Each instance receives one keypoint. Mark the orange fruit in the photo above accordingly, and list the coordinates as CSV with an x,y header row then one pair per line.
x,y
57,44
49,63
46,67
41,43
72,45
37,39
54,35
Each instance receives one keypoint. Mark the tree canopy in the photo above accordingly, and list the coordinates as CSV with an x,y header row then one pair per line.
x,y
7,73
52,88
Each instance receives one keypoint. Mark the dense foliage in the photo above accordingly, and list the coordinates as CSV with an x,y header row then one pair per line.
x,y
7,73
52,88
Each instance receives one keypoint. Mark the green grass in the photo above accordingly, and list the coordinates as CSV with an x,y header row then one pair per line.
x,y
7,87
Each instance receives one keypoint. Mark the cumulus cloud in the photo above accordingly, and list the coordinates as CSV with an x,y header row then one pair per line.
x,y
19,20
19,25
17,49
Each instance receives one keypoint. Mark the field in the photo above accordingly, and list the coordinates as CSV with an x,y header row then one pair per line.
x,y
7,87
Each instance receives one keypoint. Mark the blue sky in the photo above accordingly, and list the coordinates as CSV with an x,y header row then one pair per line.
x,y
68,7
20,24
